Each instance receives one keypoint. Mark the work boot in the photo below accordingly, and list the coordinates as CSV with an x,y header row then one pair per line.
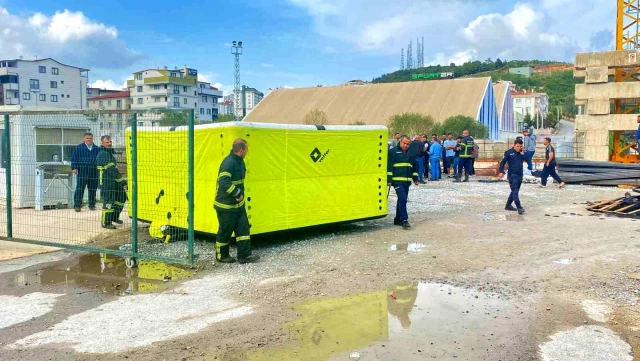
x,y
520,210
466,178
406,225
249,259
109,226
510,207
397,222
423,182
457,180
117,221
227,260
92,208
77,209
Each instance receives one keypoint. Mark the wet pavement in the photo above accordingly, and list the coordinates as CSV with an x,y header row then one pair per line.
x,y
97,272
409,320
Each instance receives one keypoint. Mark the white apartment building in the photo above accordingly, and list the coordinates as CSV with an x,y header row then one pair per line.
x,y
165,89
252,97
225,108
531,103
42,83
209,96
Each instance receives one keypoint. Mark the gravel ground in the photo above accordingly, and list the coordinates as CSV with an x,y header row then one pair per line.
x,y
553,267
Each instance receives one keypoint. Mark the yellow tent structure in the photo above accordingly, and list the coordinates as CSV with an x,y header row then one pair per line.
x,y
297,175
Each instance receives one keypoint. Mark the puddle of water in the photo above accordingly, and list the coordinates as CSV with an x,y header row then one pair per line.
x,y
433,318
564,261
104,273
412,247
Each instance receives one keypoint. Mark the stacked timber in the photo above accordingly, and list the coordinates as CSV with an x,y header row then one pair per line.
x,y
586,172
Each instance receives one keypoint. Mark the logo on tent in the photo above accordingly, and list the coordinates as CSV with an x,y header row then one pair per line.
x,y
315,155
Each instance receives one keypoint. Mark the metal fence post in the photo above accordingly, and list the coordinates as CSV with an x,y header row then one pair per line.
x,y
134,184
191,217
7,157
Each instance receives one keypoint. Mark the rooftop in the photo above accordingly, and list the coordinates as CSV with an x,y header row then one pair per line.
x,y
122,94
39,60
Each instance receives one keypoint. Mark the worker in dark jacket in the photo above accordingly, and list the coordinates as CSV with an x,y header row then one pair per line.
x,y
514,157
230,206
466,156
113,187
83,165
550,165
401,171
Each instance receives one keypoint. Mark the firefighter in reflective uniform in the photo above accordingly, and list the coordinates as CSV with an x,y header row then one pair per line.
x,y
466,156
113,188
401,301
230,208
401,171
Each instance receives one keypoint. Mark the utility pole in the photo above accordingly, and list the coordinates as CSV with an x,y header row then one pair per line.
x,y
236,50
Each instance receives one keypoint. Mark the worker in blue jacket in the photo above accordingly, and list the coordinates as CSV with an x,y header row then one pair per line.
x,y
435,153
514,157
83,165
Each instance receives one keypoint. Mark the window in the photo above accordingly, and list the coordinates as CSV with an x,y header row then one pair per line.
x,y
139,88
195,94
202,111
184,89
139,76
61,81
156,87
67,96
43,98
54,84
34,84
119,116
157,99
208,111
140,124
4,79
166,99
119,125
139,100
204,98
166,86
100,103
172,74
215,100
153,124
176,89
185,100
119,104
176,101
61,95
54,98
26,96
56,144
109,102
15,95
42,69
101,125
54,71
518,101
109,124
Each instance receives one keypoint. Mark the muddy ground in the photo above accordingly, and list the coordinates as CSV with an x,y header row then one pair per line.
x,y
469,281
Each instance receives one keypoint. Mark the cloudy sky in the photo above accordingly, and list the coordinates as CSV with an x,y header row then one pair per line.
x,y
296,43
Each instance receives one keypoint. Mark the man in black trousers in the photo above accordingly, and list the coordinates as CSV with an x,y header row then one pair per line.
x,y
83,165
550,165
514,157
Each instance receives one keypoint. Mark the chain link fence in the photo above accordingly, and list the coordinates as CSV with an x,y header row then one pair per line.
x,y
61,190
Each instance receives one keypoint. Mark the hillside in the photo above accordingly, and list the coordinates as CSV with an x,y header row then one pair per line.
x,y
559,85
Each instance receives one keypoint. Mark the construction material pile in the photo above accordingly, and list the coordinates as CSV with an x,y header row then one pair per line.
x,y
573,171
627,206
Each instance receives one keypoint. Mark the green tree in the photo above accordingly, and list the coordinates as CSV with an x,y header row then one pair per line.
x,y
499,64
458,123
225,118
172,118
316,117
528,121
410,124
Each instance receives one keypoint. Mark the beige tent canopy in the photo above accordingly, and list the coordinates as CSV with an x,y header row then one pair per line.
x,y
373,104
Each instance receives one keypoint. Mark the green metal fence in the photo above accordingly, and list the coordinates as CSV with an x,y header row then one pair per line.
x,y
39,200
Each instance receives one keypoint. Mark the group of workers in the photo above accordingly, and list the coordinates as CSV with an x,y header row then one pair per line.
x,y
406,165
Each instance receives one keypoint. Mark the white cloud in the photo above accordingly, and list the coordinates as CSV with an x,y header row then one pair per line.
x,y
67,36
533,29
266,65
107,84
226,89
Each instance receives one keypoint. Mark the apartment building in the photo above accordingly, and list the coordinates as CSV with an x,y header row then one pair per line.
x,y
209,96
113,124
225,108
164,89
251,97
42,83
530,103
97,92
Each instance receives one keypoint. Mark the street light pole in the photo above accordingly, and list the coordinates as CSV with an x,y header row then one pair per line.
x,y
236,50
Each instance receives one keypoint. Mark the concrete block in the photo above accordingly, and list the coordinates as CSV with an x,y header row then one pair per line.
x,y
627,90
607,122
597,74
598,106
597,153
596,138
611,59
582,73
